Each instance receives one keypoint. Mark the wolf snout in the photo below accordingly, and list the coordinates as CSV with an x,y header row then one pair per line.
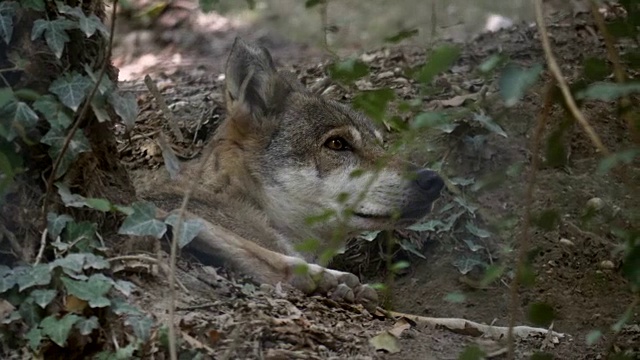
x,y
430,183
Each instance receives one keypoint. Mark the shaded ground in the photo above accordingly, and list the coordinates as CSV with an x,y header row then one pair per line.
x,y
571,277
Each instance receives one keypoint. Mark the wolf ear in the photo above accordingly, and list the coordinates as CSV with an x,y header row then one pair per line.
x,y
252,80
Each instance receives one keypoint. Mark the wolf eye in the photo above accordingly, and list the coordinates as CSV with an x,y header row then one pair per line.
x,y
337,144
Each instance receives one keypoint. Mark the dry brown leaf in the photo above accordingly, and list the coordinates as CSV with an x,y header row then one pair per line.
x,y
5,308
385,341
399,327
74,305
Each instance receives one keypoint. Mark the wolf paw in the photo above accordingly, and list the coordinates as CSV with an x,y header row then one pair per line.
x,y
338,285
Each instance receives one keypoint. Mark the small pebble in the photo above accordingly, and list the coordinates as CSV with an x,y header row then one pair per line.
x,y
606,265
567,242
595,203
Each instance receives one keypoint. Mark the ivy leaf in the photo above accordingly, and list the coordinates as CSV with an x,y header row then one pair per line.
x,y
55,33
401,35
188,231
622,157
92,290
55,138
25,116
80,234
37,5
430,225
126,106
86,326
71,264
71,89
481,233
489,124
7,281
58,330
29,276
348,71
440,60
125,287
55,113
541,314
34,337
143,222
374,102
29,312
7,11
467,264
88,24
56,223
43,297
141,326
608,91
515,81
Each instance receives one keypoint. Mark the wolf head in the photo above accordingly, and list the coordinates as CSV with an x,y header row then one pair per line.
x,y
298,156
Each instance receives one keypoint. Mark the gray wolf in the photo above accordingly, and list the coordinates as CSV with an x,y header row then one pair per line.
x,y
283,156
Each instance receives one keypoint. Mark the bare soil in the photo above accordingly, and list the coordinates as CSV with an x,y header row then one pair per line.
x,y
234,318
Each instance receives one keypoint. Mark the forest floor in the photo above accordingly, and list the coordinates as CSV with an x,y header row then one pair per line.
x,y
577,271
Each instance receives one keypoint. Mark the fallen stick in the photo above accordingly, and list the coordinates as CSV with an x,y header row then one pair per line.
x,y
467,327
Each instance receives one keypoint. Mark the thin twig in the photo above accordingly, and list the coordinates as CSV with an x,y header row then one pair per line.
x,y
81,115
618,70
557,74
43,243
523,247
174,246
162,104
324,18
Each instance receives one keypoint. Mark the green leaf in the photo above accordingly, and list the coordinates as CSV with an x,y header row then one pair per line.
x,y
141,326
611,161
481,233
29,312
72,263
456,298
37,5
430,225
369,235
55,138
55,113
515,81
208,5
71,89
143,221
373,102
125,287
595,69
400,265
6,96
55,33
92,290
465,265
348,71
7,281
29,276
541,314
491,63
608,91
69,199
593,336
488,123
312,3
58,330
401,35
99,204
491,274
86,326
473,246
631,264
188,231
56,223
434,120
24,118
81,234
6,26
88,24
34,337
122,307
126,106
440,60
43,297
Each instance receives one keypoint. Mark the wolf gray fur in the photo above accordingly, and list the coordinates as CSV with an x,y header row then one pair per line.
x,y
284,155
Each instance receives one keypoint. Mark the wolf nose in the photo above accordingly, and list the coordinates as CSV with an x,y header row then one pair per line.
x,y
430,181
